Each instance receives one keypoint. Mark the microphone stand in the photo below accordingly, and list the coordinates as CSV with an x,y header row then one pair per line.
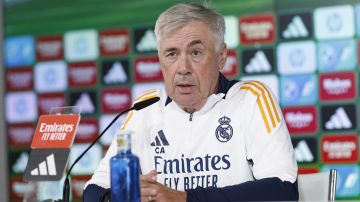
x,y
66,189
137,106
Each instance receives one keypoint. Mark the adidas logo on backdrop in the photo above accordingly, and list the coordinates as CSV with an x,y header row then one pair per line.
x,y
258,61
305,149
338,117
295,26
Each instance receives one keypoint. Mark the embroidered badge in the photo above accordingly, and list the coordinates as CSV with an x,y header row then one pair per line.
x,y
224,131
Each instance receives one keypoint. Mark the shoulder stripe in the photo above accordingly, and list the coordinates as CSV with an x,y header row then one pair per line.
x,y
128,117
265,100
267,112
259,105
271,100
145,96
140,98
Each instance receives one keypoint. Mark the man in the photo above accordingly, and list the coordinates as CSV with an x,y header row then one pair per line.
x,y
208,138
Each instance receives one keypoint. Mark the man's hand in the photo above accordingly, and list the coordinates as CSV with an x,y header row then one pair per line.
x,y
151,190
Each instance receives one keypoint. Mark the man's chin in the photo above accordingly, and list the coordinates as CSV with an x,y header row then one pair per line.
x,y
185,102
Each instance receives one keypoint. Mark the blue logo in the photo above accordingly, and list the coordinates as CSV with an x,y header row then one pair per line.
x,y
297,57
337,55
20,107
19,51
348,183
224,131
298,90
334,22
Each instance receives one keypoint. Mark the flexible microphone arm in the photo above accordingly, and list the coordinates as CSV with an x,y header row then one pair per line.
x,y
137,106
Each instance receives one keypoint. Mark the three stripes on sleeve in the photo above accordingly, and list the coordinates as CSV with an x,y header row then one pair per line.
x,y
145,96
265,103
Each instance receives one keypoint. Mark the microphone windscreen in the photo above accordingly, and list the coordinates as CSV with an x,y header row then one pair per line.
x,y
145,103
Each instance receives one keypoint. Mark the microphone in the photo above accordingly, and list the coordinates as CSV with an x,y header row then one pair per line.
x,y
137,106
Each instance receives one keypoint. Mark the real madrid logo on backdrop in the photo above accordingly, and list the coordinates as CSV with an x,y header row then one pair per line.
x,y
224,131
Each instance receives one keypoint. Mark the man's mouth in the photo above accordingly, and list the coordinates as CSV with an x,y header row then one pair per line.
x,y
185,85
185,88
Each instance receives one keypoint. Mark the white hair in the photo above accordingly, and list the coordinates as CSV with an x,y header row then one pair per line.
x,y
179,15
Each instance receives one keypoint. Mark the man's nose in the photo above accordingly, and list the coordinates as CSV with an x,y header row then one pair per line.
x,y
184,65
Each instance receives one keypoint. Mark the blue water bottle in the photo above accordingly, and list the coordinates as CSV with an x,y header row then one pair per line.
x,y
125,173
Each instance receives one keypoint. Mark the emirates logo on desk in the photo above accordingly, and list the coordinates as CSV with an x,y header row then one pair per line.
x,y
55,131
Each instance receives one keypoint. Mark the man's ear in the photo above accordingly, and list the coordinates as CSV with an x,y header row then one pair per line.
x,y
222,56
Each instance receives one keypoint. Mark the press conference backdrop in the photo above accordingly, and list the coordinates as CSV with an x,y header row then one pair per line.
x,y
101,55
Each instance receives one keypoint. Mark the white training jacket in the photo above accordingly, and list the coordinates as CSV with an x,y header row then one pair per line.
x,y
239,135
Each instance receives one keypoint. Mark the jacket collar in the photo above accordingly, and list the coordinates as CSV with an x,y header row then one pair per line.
x,y
224,86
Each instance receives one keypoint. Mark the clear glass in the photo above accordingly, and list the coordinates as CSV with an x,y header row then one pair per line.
x,y
44,191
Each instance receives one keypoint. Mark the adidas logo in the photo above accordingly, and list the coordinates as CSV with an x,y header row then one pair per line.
x,y
46,167
259,63
295,29
339,120
85,103
303,152
337,86
116,74
299,119
160,140
147,42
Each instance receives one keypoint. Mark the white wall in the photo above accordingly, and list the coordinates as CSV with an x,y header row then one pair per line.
x,y
4,193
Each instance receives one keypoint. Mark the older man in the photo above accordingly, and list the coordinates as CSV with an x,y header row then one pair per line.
x,y
208,138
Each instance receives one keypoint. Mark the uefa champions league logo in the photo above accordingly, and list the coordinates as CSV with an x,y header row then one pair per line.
x,y
224,131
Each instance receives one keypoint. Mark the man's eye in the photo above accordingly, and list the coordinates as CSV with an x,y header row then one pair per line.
x,y
171,54
195,53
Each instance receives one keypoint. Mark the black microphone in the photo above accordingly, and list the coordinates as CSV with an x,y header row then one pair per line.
x,y
137,106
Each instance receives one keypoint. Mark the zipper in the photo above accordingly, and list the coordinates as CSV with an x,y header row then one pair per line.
x,y
191,117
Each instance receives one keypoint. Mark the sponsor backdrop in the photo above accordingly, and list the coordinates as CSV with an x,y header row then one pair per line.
x,y
101,55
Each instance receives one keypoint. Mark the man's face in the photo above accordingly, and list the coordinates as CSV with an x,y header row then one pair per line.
x,y
190,64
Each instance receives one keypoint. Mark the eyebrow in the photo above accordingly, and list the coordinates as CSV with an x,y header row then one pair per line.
x,y
192,43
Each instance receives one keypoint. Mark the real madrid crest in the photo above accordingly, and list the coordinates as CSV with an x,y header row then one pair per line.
x,y
224,131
